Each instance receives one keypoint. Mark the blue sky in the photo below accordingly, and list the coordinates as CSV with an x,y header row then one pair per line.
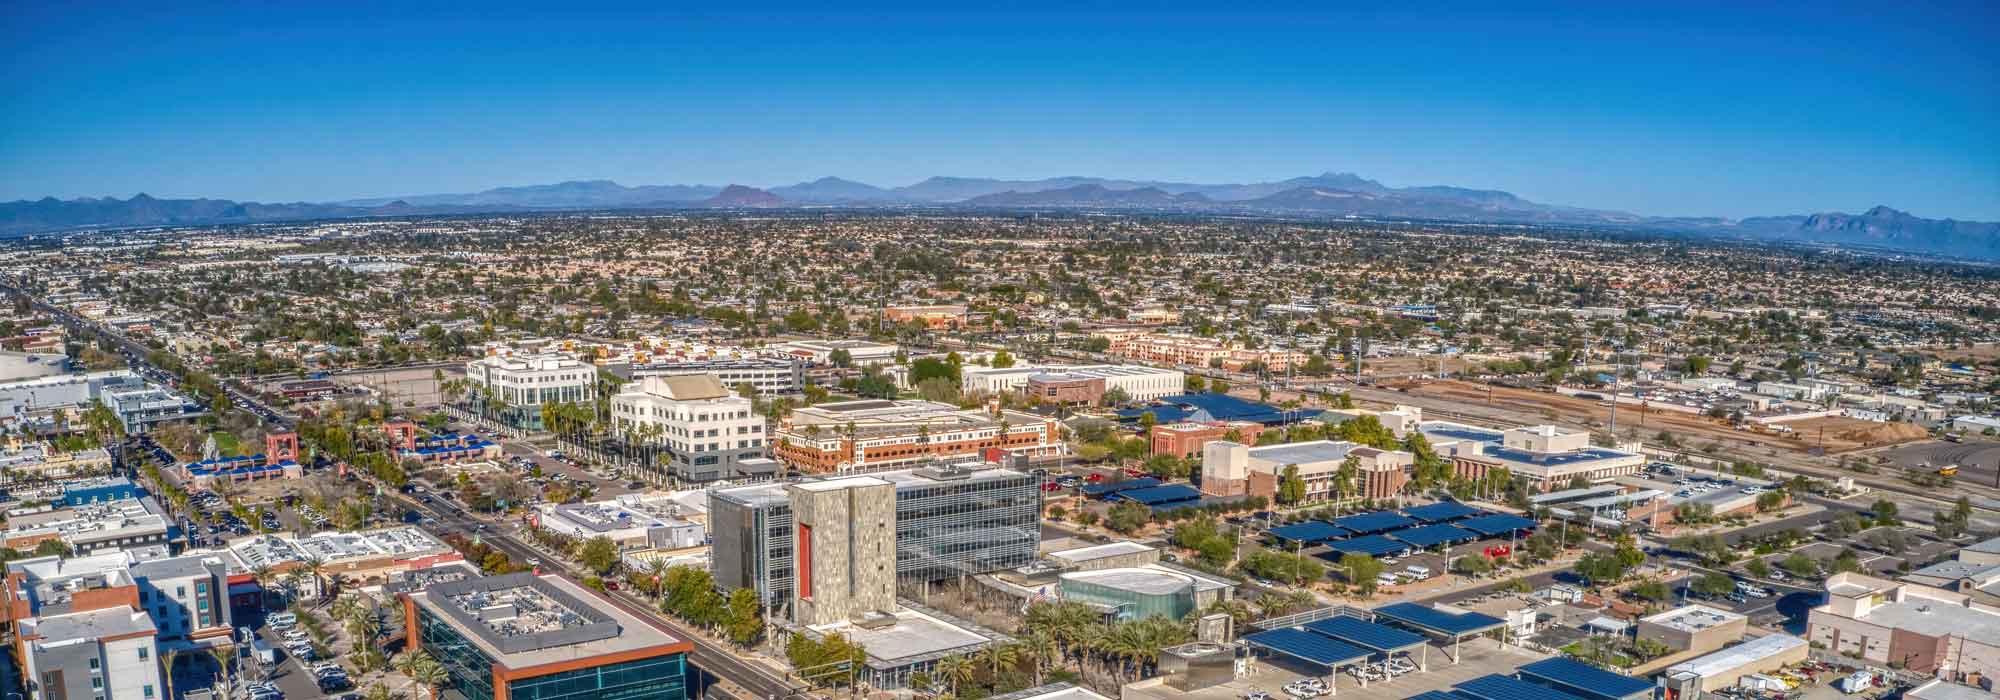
x,y
1683,108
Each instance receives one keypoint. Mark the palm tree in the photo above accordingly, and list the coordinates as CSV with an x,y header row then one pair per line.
x,y
378,691
422,669
1043,650
171,656
224,656
956,670
1000,657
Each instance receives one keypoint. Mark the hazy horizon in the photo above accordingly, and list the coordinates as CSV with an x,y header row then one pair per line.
x,y
1682,110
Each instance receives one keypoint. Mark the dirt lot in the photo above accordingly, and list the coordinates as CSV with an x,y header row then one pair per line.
x,y
407,388
1839,434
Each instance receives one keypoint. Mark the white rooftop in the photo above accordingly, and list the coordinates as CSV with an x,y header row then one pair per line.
x,y
1732,658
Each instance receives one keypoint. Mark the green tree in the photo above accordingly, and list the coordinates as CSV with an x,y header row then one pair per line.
x,y
746,620
1002,359
1291,488
1362,572
598,554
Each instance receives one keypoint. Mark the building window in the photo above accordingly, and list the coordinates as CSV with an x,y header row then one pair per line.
x,y
143,653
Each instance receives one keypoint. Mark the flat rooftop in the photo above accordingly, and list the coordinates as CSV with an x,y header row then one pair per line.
x,y
1736,657
1692,618
1101,551
522,620
1304,452
914,636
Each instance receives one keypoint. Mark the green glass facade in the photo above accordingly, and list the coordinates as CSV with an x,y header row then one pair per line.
x,y
1131,604
471,673
657,678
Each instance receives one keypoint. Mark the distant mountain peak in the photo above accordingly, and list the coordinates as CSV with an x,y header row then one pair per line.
x,y
743,196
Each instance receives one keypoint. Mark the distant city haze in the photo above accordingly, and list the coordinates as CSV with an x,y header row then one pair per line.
x,y
1681,109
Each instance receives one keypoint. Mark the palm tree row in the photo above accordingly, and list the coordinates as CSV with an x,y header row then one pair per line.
x,y
1071,635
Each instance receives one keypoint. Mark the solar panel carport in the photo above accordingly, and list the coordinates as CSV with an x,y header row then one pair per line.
x,y
1372,523
1437,695
1315,649
1111,487
1443,511
1497,524
1381,639
1372,545
1309,532
1158,496
1455,626
1498,687
1590,682
1434,535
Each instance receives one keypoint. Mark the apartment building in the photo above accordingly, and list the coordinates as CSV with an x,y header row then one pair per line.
x,y
701,430
85,626
522,384
882,434
1235,469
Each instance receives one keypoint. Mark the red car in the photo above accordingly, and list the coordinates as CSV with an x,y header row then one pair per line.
x,y
1051,486
1094,478
1134,473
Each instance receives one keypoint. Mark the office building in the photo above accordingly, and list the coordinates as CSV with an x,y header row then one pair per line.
x,y
872,434
844,544
541,638
1925,630
949,521
1235,469
518,386
1186,439
1546,457
1138,382
689,427
768,376
94,626
860,353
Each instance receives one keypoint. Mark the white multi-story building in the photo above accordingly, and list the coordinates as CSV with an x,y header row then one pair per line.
x,y
1139,383
526,383
695,425
861,353
769,376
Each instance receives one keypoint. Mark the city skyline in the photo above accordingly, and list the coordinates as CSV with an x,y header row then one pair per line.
x,y
1686,111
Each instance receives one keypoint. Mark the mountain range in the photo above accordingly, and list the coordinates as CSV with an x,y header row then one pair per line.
x,y
1327,195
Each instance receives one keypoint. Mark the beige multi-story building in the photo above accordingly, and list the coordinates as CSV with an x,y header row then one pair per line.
x,y
879,434
844,539
695,428
1235,469
1922,629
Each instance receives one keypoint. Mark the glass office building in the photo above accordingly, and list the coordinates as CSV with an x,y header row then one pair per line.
x,y
950,521
526,637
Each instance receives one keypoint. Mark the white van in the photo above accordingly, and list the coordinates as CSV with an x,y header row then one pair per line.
x,y
1418,572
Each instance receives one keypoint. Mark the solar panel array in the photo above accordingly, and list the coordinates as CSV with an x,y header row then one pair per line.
x,y
1442,511
1111,487
1300,644
1372,545
1381,639
1498,687
1584,679
1160,495
1310,532
1433,535
1372,523
1496,524
1430,618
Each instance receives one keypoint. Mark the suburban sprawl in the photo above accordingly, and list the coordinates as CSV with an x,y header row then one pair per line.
x,y
913,453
